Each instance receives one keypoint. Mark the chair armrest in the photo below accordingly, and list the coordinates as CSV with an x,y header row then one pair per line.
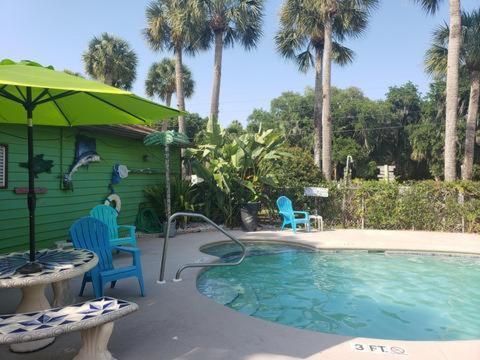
x,y
130,228
132,250
128,249
127,226
285,214
305,213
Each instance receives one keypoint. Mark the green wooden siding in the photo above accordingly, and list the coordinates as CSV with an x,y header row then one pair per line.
x,y
58,209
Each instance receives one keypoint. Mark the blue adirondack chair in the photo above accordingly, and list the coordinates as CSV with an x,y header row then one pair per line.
x,y
286,210
92,234
108,215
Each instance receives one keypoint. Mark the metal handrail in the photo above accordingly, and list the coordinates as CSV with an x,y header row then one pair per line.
x,y
186,266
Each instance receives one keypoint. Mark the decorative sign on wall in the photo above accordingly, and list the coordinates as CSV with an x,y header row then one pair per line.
x,y
85,153
3,166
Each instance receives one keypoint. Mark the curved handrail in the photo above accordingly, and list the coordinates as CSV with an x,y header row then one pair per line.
x,y
186,266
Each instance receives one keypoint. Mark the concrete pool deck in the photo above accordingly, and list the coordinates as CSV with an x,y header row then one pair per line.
x,y
176,322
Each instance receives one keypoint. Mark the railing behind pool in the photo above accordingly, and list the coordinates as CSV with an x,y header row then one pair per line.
x,y
177,278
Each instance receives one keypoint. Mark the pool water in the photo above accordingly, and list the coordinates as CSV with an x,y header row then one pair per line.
x,y
377,295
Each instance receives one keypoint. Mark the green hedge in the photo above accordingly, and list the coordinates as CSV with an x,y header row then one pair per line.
x,y
421,205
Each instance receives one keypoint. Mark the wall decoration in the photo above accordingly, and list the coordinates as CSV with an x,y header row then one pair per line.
x,y
3,166
85,153
119,172
40,165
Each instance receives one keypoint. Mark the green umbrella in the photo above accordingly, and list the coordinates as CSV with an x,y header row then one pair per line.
x,y
31,94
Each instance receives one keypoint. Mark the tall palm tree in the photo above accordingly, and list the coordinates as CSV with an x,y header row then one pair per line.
x,y
231,21
436,63
300,38
161,81
111,60
355,13
454,42
178,26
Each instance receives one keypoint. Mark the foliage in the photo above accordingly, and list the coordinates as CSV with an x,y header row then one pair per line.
x,y
161,80
234,129
419,205
183,198
195,124
175,25
291,174
236,20
301,34
235,169
406,129
290,113
109,59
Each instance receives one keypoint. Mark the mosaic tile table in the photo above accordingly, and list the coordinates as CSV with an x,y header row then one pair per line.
x,y
59,267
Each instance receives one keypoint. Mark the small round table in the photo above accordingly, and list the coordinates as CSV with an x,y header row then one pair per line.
x,y
318,220
58,267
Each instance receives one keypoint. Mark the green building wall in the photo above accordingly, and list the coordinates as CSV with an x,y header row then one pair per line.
x,y
58,209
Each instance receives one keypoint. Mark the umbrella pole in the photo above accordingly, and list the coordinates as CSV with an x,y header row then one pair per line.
x,y
31,266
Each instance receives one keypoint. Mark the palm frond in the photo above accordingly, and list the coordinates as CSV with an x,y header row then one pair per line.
x,y
342,55
430,6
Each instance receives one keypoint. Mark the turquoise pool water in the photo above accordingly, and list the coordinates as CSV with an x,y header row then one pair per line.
x,y
385,296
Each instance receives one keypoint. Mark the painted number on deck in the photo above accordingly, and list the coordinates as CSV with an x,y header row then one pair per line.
x,y
379,349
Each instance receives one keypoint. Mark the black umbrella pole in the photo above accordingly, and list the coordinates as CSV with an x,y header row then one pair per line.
x,y
31,266
31,194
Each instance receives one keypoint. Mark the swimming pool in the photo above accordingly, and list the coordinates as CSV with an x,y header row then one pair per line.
x,y
355,293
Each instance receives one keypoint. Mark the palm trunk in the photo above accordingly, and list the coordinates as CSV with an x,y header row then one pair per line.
x,y
217,75
168,207
180,97
317,110
326,118
454,43
168,101
467,169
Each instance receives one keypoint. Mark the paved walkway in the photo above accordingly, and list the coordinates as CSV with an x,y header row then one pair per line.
x,y
176,322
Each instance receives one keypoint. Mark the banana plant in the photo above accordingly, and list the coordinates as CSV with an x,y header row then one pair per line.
x,y
236,170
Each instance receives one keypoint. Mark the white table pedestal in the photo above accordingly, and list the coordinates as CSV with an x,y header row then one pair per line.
x,y
33,299
62,295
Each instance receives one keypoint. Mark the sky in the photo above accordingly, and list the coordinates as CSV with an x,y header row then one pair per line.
x,y
56,32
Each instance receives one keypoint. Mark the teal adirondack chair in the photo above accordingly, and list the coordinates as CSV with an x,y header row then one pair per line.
x,y
92,234
108,215
286,210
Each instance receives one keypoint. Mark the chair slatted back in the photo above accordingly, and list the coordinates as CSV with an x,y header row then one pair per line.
x,y
92,234
108,215
285,205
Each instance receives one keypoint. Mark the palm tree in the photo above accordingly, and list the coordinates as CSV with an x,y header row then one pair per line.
x,y
179,26
436,63
161,81
453,61
231,21
300,38
355,13
111,60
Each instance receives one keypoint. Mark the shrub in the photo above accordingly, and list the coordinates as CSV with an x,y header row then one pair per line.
x,y
423,205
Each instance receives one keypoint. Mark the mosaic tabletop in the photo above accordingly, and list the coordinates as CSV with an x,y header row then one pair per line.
x,y
54,322
58,264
